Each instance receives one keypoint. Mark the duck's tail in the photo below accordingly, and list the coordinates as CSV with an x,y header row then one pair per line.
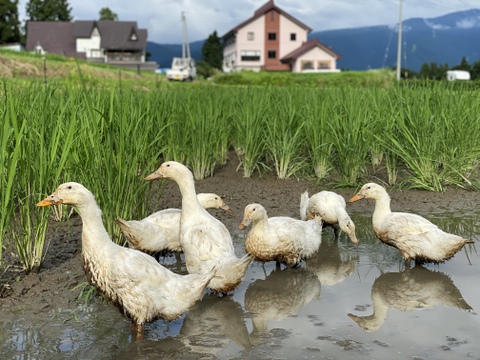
x,y
127,231
230,274
303,205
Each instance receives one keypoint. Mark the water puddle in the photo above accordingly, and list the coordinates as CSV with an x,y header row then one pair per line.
x,y
346,302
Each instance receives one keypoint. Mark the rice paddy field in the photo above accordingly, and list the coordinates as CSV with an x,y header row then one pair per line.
x,y
108,135
422,137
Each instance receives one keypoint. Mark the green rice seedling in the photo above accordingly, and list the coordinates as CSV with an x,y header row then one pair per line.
x,y
87,292
28,233
348,127
249,122
208,131
43,155
435,137
317,113
284,133
11,143
122,141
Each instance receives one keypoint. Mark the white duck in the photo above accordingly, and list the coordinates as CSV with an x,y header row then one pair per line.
x,y
332,208
414,236
205,241
160,231
281,238
411,290
141,288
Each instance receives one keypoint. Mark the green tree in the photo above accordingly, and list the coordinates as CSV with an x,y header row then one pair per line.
x,y
425,71
9,23
49,10
464,65
107,14
475,70
212,51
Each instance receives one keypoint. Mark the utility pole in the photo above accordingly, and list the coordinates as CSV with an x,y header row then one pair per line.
x,y
185,44
399,45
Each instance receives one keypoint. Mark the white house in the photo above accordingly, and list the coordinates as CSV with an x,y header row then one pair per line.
x,y
273,40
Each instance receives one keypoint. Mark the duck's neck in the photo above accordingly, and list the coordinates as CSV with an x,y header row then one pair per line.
x,y
382,208
261,225
190,203
94,234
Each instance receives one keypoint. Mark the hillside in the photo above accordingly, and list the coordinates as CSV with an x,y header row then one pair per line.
x,y
444,39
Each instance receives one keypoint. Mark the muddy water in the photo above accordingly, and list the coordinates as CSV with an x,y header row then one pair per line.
x,y
347,302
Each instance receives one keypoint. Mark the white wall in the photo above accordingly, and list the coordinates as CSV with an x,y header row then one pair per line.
x,y
286,28
315,55
90,46
257,27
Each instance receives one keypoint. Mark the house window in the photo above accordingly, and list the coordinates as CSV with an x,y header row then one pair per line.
x,y
307,65
272,54
250,36
272,36
293,37
250,55
323,65
133,37
96,53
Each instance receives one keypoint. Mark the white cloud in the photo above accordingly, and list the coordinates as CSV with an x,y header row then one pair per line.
x,y
162,18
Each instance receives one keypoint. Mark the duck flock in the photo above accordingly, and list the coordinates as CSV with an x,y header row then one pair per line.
x,y
144,290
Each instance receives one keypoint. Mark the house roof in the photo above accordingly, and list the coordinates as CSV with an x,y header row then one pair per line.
x,y
53,36
60,37
306,47
115,35
265,8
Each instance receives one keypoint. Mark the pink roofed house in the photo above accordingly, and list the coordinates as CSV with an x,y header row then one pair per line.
x,y
273,40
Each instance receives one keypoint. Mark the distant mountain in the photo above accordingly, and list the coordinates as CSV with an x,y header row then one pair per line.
x,y
163,53
444,39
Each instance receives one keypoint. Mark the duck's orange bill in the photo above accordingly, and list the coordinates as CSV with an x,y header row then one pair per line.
x,y
49,201
154,176
355,198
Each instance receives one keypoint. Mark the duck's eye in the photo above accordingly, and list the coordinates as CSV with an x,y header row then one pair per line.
x,y
168,165
69,187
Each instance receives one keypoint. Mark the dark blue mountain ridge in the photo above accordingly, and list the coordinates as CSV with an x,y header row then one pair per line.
x,y
442,40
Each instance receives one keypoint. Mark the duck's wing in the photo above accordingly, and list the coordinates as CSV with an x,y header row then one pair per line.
x,y
409,224
207,240
143,235
165,215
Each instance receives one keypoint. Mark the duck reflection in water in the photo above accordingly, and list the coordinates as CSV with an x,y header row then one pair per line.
x,y
413,289
283,293
213,323
329,265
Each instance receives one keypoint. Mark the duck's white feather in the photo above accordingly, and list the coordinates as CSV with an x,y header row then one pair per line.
x,y
331,208
160,231
415,237
283,239
141,288
205,240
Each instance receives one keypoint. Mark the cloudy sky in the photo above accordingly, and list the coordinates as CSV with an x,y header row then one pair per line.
x,y
162,18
